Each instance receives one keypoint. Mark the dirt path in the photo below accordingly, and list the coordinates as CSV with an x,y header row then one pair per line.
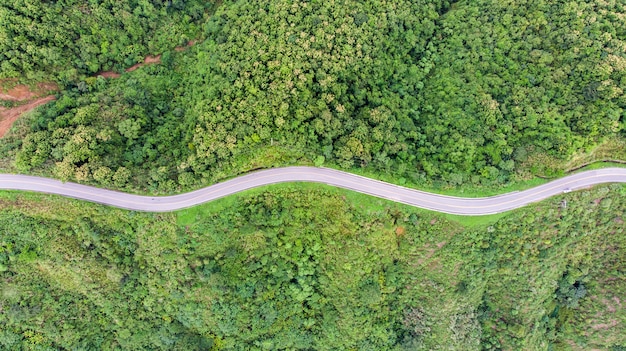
x,y
147,61
34,98
17,93
22,92
25,97
10,115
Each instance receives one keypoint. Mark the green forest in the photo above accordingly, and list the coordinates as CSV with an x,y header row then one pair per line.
x,y
311,268
482,95
68,39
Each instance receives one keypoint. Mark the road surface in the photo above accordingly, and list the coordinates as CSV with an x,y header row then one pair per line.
x,y
440,203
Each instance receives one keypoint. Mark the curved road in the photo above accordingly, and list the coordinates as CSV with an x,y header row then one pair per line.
x,y
440,203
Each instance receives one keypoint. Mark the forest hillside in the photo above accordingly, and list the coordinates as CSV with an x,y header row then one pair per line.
x,y
478,93
296,267
466,95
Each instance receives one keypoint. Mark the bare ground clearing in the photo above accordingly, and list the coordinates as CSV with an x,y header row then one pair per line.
x,y
10,115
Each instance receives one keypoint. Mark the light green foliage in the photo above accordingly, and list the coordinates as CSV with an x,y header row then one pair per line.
x,y
470,93
548,274
302,268
90,278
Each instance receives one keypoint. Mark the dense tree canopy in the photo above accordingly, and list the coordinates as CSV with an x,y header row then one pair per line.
x,y
462,92
472,94
335,78
63,40
515,77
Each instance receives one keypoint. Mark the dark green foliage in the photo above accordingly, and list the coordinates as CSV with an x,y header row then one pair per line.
x,y
514,76
132,132
282,279
410,88
284,270
473,92
329,78
569,293
64,40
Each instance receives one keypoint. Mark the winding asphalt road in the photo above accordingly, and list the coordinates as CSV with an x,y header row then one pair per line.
x,y
440,203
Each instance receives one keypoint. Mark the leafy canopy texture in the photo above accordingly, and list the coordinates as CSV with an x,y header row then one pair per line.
x,y
66,39
514,76
297,268
481,92
335,77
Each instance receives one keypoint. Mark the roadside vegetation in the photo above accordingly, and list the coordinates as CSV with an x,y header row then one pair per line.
x,y
293,267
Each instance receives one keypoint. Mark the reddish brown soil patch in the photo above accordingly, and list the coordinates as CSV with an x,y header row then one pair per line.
x,y
47,86
148,60
605,325
189,44
400,231
8,116
17,93
31,96
617,301
22,92
109,74
152,59
608,305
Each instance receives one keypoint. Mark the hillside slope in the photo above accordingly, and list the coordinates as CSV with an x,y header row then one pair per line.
x,y
412,89
297,267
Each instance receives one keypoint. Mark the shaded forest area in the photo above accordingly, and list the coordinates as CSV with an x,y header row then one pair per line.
x,y
303,268
477,93
68,39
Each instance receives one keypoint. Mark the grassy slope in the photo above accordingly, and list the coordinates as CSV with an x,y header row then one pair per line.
x,y
91,275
